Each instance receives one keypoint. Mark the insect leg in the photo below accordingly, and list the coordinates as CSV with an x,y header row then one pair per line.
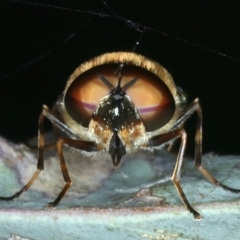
x,y
40,164
161,139
195,107
87,146
187,113
198,154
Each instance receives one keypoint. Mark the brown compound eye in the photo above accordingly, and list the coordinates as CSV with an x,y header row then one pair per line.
x,y
151,97
149,94
84,95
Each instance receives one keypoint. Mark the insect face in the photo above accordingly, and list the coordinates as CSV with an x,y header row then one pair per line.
x,y
120,109
121,102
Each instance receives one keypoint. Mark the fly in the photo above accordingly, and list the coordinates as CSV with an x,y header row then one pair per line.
x,y
138,108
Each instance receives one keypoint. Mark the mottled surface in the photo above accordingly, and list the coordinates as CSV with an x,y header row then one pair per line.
x,y
108,204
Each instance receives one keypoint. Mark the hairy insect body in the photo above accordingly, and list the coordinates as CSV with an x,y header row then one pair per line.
x,y
117,112
120,103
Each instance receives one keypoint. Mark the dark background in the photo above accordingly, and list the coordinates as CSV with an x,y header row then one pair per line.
x,y
30,31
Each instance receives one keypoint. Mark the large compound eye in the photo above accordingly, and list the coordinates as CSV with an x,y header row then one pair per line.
x,y
86,91
149,94
151,97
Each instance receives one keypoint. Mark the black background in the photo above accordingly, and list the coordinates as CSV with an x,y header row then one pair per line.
x,y
30,31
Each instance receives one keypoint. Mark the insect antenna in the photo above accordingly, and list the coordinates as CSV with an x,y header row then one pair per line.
x,y
106,82
127,85
130,84
119,71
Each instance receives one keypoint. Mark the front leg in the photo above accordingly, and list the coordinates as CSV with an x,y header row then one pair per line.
x,y
168,137
86,146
